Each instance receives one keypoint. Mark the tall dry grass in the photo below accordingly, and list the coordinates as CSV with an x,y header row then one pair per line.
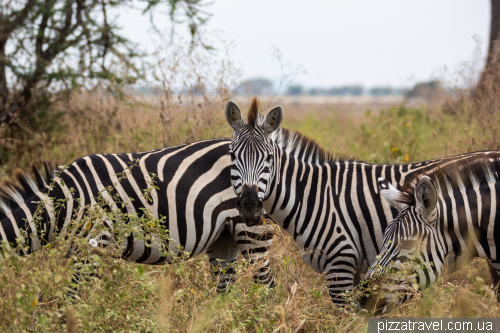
x,y
181,296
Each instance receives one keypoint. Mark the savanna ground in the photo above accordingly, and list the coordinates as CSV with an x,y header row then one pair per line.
x,y
181,296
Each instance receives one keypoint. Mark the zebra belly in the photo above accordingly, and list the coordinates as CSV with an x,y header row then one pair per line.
x,y
310,263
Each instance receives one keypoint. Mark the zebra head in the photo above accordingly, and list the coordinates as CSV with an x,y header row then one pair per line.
x,y
407,247
252,157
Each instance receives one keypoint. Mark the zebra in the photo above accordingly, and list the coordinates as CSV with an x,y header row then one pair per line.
x,y
450,210
186,187
330,205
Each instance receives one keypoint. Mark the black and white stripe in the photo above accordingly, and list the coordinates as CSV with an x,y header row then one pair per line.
x,y
192,192
452,212
332,207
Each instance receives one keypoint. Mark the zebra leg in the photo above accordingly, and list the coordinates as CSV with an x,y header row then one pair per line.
x,y
339,281
340,274
84,267
84,270
254,243
494,267
222,254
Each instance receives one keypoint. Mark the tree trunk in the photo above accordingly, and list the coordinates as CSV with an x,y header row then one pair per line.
x,y
494,44
491,71
4,90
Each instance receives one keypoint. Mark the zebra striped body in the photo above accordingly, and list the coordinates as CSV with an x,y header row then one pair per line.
x,y
452,211
187,185
332,208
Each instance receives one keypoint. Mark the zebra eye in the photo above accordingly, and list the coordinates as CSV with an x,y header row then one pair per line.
x,y
231,154
268,158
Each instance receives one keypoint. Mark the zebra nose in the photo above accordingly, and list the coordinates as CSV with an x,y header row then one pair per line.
x,y
249,191
249,204
383,184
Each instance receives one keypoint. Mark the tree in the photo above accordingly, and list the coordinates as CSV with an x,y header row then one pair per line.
x,y
491,73
381,91
494,42
346,90
254,87
49,45
295,90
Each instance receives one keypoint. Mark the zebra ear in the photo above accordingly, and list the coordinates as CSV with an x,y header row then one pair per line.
x,y
426,196
390,193
273,119
233,115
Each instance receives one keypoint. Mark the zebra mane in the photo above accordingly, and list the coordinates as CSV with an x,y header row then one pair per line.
x,y
294,142
458,174
305,148
253,116
13,193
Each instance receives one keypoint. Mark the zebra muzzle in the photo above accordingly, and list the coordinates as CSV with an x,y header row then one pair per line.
x,y
257,221
249,205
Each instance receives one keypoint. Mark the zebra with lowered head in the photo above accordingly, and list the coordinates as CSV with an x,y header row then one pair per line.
x,y
185,187
451,210
331,206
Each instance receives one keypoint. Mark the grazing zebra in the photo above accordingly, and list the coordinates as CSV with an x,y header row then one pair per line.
x,y
452,210
331,206
186,187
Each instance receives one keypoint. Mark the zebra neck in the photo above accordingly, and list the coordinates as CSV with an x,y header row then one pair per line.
x,y
314,198
293,184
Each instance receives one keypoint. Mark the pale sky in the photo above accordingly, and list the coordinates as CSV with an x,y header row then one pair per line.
x,y
372,43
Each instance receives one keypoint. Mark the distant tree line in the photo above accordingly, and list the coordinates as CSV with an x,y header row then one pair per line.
x,y
427,90
262,86
356,90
